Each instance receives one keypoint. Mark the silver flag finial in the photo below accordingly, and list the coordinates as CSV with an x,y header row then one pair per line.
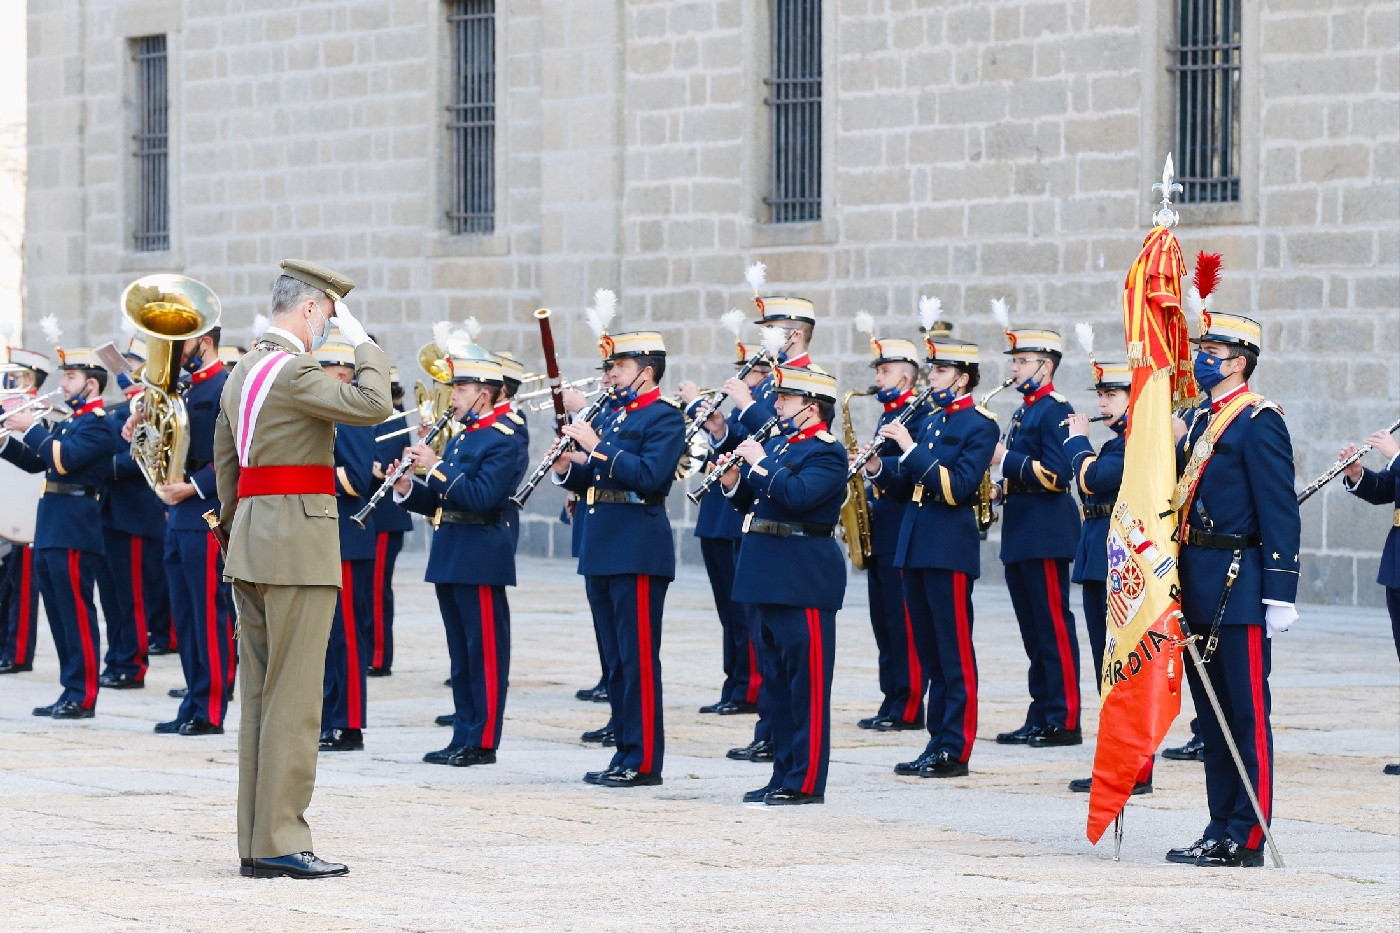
x,y
1165,216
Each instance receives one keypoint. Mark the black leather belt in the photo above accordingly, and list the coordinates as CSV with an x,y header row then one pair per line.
x,y
1020,488
1097,511
1220,542
451,517
70,489
623,497
763,526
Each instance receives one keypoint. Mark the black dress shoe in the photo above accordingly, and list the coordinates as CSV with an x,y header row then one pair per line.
x,y
709,708
120,681
1082,785
72,709
757,750
593,777
178,693
343,740
245,867
606,737
756,796
1391,769
10,667
598,694
443,755
1193,750
1019,737
47,710
895,724
626,777
1230,854
1055,737
300,865
378,672
787,797
471,755
869,721
944,765
1187,855
156,651
445,720
912,768
201,727
737,708
168,728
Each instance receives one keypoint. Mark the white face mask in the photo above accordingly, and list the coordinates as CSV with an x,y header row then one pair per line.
x,y
320,333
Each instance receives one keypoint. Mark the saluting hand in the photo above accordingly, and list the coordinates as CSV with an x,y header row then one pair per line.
x,y
1353,472
1078,425
899,434
751,450
739,391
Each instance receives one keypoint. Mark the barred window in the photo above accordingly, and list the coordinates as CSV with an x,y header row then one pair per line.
x,y
471,116
794,105
151,146
1207,70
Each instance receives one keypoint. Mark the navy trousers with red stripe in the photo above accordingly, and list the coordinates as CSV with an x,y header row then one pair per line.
x,y
599,606
387,546
477,620
799,652
940,609
343,696
901,673
1239,671
66,581
19,606
741,674
133,592
202,605
1040,597
628,610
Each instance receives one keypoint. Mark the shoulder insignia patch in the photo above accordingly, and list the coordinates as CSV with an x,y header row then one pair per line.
x,y
1264,404
100,412
515,416
673,402
825,437
1059,398
504,428
985,412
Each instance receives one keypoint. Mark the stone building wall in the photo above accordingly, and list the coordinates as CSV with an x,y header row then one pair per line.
x,y
971,150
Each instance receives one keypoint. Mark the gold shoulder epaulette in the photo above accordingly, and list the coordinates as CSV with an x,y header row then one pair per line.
x,y
515,416
100,412
1059,398
504,428
1262,404
985,412
673,402
825,437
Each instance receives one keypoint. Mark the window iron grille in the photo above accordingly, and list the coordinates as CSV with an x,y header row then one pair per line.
x,y
471,117
151,146
1207,70
794,105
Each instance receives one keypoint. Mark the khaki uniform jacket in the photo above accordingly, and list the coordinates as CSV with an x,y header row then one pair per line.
x,y
292,540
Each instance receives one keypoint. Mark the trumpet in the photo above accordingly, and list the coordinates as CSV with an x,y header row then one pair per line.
x,y
542,399
39,401
405,464
589,386
723,464
561,446
1337,468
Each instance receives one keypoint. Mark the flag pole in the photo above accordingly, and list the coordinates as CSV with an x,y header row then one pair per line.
x,y
1190,641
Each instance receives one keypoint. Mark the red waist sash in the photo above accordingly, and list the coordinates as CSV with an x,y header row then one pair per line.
x,y
286,481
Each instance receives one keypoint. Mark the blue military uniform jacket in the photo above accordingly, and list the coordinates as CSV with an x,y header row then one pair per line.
x,y
716,517
388,514
478,472
1098,477
354,484
886,513
641,445
129,505
517,423
802,480
77,452
1246,488
936,484
762,410
1039,517
1382,487
202,404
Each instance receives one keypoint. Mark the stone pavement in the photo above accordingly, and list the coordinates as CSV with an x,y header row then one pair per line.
x,y
108,827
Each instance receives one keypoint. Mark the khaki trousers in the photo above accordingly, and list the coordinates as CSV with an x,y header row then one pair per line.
x,y
283,632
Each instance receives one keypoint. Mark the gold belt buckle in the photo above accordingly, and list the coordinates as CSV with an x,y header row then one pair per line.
x,y
918,493
748,520
1397,519
592,495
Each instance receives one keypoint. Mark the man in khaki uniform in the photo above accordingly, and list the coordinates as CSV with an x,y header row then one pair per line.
x,y
273,450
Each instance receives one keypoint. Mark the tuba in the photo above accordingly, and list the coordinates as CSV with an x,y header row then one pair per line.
x,y
855,511
435,399
168,309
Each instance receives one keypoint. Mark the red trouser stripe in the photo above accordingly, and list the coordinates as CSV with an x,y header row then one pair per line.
x,y
381,554
814,700
916,670
75,578
352,648
648,678
755,675
488,656
213,648
1261,737
138,605
968,661
26,619
1057,618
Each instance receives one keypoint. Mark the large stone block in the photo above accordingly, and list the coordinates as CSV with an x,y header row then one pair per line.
x,y
1328,248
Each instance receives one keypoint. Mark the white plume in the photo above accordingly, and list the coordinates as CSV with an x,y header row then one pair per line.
x,y
865,322
1001,313
457,342
442,333
930,307
1084,333
49,325
733,320
601,314
756,275
773,340
1194,302
473,329
261,322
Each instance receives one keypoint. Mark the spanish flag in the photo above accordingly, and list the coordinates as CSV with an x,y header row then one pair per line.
x,y
1142,670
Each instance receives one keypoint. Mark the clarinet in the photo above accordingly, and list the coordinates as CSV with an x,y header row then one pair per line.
x,y
723,464
362,516
716,399
903,417
1337,468
561,446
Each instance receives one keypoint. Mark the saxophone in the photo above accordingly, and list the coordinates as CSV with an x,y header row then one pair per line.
x,y
983,509
855,511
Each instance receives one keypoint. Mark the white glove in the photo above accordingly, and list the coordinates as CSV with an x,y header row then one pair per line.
x,y
1278,618
351,329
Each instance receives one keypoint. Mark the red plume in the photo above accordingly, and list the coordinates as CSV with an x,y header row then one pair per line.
x,y
1207,273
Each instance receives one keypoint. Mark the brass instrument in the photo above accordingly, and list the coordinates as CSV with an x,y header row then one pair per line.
x,y
696,452
168,309
544,400
435,401
983,507
855,511
1337,468
535,387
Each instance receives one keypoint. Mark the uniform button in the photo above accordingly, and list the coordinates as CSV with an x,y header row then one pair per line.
x,y
597,475
591,511
936,433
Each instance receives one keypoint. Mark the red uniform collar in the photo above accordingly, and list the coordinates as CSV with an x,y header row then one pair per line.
x,y
807,432
959,404
1040,393
645,399
485,421
88,408
802,359
1217,404
503,409
899,402
213,369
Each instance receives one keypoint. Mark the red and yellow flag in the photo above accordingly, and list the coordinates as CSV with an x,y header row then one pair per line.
x,y
1142,673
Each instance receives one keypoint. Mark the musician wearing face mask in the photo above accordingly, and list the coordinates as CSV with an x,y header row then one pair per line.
x,y
797,317
1040,533
790,489
472,560
623,466
935,473
19,583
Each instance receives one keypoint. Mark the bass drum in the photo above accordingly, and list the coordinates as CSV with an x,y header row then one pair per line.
x,y
20,502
